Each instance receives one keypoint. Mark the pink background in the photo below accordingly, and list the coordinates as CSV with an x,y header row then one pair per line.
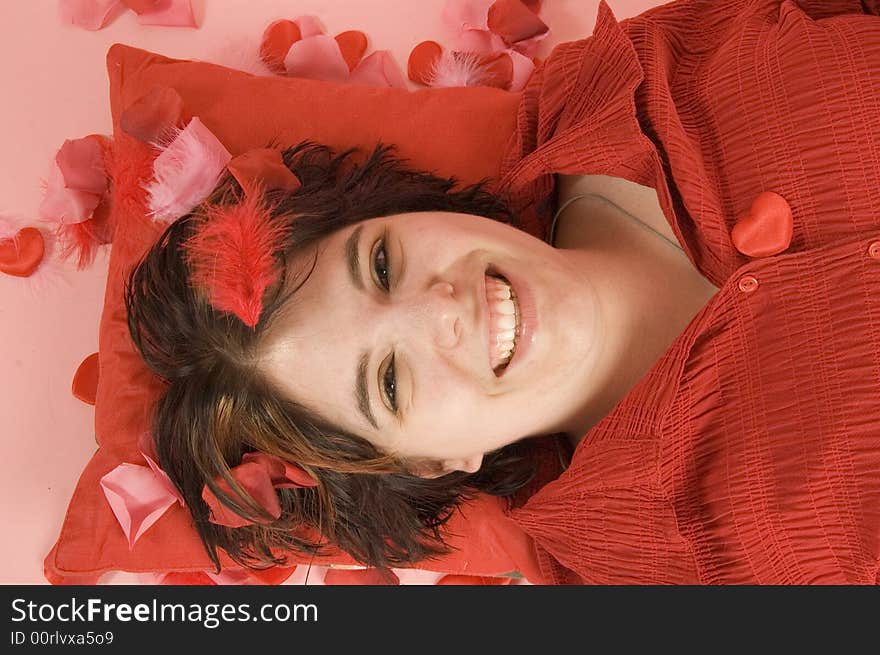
x,y
55,87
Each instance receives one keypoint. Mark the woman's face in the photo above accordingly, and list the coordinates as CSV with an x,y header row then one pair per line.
x,y
393,337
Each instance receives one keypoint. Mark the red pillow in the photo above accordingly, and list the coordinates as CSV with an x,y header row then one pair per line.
x,y
454,131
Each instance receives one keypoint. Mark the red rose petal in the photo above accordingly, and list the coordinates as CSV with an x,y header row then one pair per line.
x,y
359,577
422,60
82,164
460,579
185,578
263,165
85,380
277,39
513,21
353,44
20,255
153,115
498,69
274,575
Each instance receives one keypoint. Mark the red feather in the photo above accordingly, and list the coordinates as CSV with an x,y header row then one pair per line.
x,y
231,255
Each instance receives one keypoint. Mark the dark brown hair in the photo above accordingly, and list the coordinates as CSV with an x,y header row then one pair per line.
x,y
218,405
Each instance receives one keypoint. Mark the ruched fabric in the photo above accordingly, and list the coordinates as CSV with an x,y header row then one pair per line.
x,y
750,452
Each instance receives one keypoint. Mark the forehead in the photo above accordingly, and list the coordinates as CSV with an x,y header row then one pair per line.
x,y
311,350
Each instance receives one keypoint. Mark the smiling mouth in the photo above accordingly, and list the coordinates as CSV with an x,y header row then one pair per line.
x,y
504,321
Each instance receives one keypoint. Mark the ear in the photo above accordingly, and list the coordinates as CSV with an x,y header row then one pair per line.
x,y
471,464
434,469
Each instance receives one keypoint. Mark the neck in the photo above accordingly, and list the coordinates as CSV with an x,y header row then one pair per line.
x,y
629,273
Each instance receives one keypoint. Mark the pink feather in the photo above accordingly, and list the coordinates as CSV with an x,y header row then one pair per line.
x,y
232,256
186,172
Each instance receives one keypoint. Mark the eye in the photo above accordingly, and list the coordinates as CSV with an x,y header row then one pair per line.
x,y
389,385
381,265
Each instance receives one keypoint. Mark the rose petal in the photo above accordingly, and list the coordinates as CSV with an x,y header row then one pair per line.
x,y
422,60
353,45
185,578
337,576
317,58
282,474
171,13
148,449
141,6
81,163
85,380
274,575
62,205
529,47
21,254
309,26
88,14
277,39
154,115
513,21
482,42
498,70
263,165
460,579
523,67
466,14
379,69
252,476
137,499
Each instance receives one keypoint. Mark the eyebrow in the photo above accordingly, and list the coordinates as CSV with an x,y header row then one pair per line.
x,y
361,388
353,258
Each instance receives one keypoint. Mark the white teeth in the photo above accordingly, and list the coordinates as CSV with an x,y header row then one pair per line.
x,y
502,316
505,307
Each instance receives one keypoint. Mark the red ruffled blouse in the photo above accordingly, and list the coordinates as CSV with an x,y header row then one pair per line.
x,y
750,453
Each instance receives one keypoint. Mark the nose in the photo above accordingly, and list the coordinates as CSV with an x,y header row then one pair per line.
x,y
442,315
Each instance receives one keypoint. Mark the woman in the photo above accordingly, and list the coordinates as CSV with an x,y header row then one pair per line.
x,y
695,325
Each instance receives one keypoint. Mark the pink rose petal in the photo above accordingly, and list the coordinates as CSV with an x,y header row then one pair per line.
x,y
141,6
460,15
523,67
172,13
88,14
482,42
82,165
378,69
317,58
136,497
309,26
62,205
148,450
